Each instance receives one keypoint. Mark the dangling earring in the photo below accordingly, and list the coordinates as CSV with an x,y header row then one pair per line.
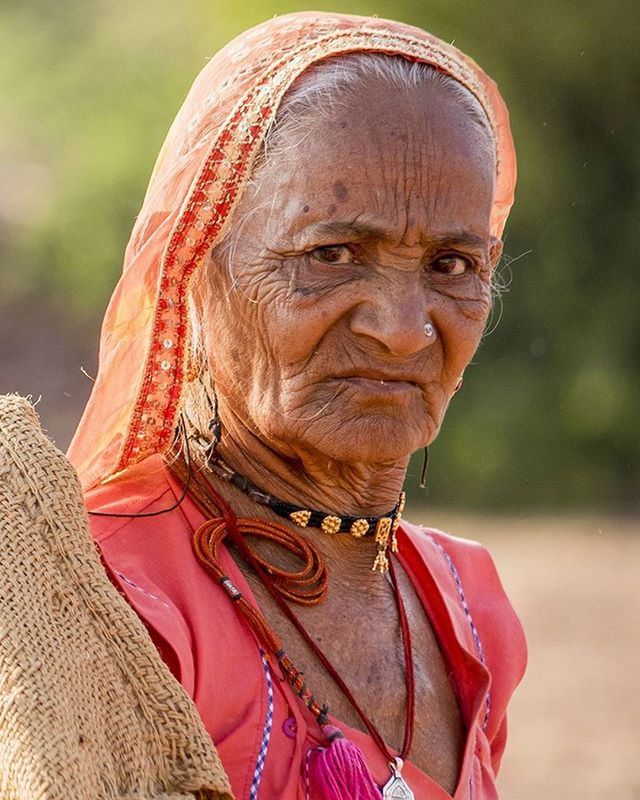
x,y
201,411
425,464
215,427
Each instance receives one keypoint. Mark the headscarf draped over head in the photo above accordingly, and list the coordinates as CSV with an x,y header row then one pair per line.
x,y
200,173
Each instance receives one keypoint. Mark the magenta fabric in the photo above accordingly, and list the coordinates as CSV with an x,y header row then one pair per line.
x,y
259,727
339,771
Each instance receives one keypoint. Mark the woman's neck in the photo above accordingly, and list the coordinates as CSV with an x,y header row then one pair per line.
x,y
311,479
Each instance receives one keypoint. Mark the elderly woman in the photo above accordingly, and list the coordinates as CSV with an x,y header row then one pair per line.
x,y
307,280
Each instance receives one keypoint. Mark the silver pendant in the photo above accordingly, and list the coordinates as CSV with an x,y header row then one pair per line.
x,y
396,787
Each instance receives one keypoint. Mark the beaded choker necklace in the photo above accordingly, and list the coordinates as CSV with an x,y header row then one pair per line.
x,y
383,528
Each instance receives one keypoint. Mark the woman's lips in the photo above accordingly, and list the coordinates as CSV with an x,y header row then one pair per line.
x,y
380,386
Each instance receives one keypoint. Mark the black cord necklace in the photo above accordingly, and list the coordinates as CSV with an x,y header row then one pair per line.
x,y
383,527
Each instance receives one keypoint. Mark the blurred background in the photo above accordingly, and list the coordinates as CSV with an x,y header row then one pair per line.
x,y
539,454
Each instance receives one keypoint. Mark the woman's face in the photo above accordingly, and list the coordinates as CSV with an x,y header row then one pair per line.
x,y
370,223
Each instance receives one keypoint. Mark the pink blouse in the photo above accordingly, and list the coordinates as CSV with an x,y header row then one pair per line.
x,y
261,731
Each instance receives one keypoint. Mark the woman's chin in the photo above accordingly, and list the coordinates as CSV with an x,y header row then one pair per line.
x,y
376,439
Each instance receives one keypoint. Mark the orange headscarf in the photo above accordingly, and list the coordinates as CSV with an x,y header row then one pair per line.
x,y
198,177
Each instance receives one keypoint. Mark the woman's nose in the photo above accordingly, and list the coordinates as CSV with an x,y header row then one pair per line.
x,y
399,321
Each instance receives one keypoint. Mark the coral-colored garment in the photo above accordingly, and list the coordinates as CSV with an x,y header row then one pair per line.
x,y
200,173
244,706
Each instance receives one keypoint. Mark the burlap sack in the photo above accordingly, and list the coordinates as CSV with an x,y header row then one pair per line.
x,y
88,710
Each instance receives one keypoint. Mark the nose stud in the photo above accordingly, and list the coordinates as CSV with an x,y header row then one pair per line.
x,y
429,330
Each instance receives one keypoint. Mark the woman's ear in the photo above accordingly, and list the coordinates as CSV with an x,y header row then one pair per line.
x,y
495,251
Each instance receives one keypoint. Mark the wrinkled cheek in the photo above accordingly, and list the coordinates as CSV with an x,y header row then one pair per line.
x,y
278,394
464,326
288,411
460,336
469,336
238,364
474,309
299,327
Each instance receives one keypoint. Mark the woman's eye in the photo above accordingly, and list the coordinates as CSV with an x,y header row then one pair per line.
x,y
334,254
452,265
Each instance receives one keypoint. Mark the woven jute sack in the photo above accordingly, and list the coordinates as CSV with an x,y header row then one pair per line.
x,y
88,710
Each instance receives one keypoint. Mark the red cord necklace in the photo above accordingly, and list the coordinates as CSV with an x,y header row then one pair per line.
x,y
307,586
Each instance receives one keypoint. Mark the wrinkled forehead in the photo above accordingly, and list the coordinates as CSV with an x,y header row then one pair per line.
x,y
360,95
326,83
367,133
386,159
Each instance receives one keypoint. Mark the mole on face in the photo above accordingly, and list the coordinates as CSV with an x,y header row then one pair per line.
x,y
305,209
340,191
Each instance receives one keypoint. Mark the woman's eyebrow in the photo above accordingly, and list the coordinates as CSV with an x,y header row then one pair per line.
x,y
337,229
457,238
348,230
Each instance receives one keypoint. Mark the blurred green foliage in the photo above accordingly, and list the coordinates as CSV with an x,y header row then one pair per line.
x,y
548,417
